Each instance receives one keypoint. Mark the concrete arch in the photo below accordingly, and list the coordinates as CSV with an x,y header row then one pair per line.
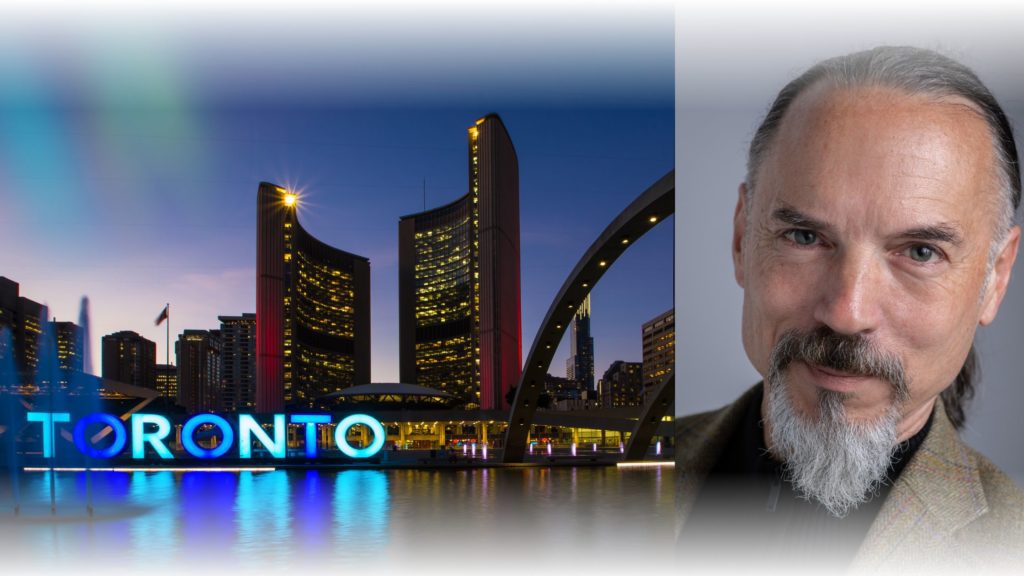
x,y
650,208
658,403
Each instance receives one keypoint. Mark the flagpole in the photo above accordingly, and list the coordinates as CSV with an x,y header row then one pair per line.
x,y
167,343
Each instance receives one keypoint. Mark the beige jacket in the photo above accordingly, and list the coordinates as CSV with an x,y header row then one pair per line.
x,y
951,509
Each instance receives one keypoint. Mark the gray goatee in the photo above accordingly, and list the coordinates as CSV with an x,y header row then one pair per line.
x,y
828,458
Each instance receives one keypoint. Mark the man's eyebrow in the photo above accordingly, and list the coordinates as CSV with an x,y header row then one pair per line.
x,y
938,233
792,217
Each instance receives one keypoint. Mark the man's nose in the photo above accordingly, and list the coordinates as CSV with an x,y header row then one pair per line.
x,y
852,293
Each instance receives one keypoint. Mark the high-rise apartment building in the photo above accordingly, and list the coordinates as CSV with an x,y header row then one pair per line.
x,y
622,385
8,307
24,319
312,309
562,388
238,362
580,365
129,358
167,381
199,378
659,347
70,347
458,290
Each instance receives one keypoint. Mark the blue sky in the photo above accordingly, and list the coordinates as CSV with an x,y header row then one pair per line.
x,y
132,146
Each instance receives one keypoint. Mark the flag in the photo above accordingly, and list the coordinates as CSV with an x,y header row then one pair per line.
x,y
164,315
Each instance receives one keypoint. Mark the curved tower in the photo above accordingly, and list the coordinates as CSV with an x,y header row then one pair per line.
x,y
459,299
312,309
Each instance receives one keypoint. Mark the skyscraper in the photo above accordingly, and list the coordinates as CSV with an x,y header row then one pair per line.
x,y
659,347
167,381
69,346
458,290
238,362
70,355
312,309
580,365
198,355
622,385
129,358
24,318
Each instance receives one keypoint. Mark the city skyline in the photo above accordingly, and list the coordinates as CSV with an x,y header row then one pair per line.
x,y
130,159
541,230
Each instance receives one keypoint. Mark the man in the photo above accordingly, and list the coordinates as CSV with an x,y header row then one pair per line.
x,y
873,235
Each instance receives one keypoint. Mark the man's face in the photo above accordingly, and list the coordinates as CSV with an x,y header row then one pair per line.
x,y
873,216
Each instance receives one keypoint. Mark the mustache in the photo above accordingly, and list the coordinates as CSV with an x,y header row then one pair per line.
x,y
852,354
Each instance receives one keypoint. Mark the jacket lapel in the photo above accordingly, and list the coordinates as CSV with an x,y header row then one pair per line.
x,y
938,493
700,440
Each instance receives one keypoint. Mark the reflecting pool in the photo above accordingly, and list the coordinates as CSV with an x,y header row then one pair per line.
x,y
499,520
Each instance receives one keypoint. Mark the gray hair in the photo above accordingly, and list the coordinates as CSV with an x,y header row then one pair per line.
x,y
915,71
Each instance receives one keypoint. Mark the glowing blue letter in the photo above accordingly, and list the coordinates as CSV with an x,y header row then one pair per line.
x,y
372,424
155,439
85,446
198,451
48,419
311,420
248,427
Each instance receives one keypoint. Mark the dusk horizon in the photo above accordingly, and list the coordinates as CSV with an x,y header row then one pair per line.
x,y
210,271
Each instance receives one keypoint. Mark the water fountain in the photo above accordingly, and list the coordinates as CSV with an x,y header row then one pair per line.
x,y
58,389
8,412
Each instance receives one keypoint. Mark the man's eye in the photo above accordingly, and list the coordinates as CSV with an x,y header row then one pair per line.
x,y
922,253
802,237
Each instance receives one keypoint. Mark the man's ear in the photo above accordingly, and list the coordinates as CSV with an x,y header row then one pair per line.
x,y
739,223
1001,271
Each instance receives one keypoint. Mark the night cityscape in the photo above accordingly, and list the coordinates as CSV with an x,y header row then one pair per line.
x,y
308,346
253,319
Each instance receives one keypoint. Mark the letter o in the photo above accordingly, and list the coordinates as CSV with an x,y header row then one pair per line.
x,y
189,443
372,423
85,446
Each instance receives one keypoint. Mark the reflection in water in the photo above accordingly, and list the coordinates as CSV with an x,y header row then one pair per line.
x,y
311,531
262,518
285,520
155,491
361,513
206,525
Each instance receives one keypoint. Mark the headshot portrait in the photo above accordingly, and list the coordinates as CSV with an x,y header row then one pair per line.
x,y
850,325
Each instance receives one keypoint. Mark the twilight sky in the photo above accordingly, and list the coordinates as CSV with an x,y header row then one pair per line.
x,y
132,142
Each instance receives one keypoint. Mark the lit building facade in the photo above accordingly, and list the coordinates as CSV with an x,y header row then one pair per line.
x,y
622,385
312,310
458,293
562,388
238,362
70,347
659,347
70,357
129,358
580,365
23,318
167,381
199,379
